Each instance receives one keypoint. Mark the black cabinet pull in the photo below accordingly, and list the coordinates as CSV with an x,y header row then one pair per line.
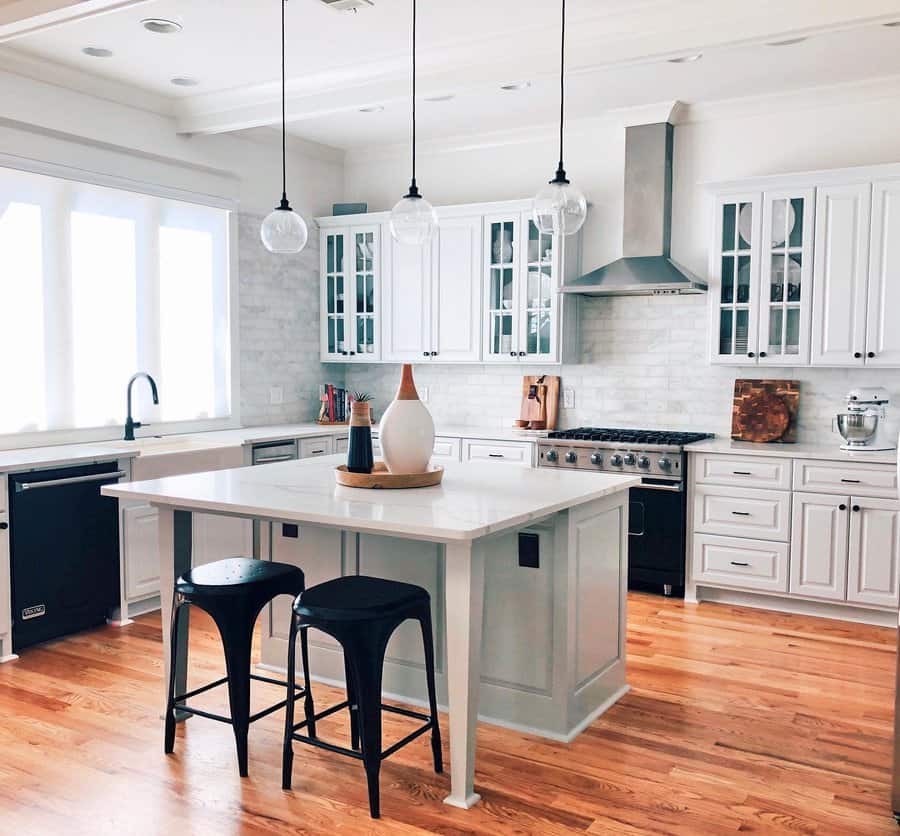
x,y
856,508
737,563
842,507
495,455
741,472
742,513
857,354
870,355
851,481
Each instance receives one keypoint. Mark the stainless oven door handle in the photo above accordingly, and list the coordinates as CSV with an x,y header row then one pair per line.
x,y
266,459
72,480
676,487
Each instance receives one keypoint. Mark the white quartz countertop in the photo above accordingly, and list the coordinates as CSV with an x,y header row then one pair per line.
x,y
472,501
72,454
831,452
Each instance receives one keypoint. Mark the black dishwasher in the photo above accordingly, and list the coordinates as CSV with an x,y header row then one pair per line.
x,y
64,551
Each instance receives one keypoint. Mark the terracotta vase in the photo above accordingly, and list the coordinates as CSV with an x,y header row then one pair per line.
x,y
406,432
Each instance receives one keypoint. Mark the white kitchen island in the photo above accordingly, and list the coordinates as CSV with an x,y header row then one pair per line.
x,y
527,570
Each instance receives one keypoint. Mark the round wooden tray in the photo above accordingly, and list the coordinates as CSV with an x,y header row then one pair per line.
x,y
381,478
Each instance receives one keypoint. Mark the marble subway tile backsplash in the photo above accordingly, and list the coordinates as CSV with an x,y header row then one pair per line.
x,y
643,364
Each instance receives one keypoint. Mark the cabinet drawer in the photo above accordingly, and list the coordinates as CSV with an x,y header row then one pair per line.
x,y
341,443
502,452
751,564
744,471
742,512
846,478
322,445
446,448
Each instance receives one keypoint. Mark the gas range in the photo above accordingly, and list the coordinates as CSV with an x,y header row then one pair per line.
x,y
653,453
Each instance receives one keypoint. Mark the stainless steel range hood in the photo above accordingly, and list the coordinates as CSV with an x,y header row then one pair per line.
x,y
645,268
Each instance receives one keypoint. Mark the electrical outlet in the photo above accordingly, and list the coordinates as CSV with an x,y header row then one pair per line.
x,y
276,395
568,398
423,393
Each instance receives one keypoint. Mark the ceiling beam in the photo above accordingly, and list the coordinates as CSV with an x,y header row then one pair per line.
x,y
25,17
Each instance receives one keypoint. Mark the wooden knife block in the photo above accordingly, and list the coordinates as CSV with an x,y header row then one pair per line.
x,y
543,409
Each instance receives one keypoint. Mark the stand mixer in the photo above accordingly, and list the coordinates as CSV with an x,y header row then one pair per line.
x,y
861,425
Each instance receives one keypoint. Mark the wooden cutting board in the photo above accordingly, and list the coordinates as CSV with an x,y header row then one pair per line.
x,y
765,410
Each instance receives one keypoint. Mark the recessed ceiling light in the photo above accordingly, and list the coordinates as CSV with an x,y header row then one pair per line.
x,y
97,52
184,81
371,109
787,41
446,97
161,26
516,85
686,59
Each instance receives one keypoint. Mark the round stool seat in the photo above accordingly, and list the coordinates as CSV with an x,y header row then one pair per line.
x,y
357,597
233,576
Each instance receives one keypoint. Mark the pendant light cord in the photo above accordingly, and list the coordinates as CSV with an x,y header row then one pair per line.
x,y
413,188
560,171
284,199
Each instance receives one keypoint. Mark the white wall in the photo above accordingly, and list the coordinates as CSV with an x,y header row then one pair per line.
x,y
277,295
643,360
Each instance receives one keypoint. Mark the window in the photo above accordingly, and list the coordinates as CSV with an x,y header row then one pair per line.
x,y
97,283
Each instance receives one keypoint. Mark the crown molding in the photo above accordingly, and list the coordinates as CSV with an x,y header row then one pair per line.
x,y
271,137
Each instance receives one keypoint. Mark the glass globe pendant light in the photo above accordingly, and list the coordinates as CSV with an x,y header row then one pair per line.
x,y
560,207
283,230
413,219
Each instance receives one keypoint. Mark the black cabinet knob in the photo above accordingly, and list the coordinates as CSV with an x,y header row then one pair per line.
x,y
870,355
4,526
352,353
751,354
856,508
512,354
857,354
426,354
521,354
842,507
434,354
762,353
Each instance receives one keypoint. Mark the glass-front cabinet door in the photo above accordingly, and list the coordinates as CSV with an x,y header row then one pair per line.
x,y
540,299
734,269
502,309
785,277
350,294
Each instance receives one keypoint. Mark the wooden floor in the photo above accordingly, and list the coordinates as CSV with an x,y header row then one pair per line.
x,y
737,721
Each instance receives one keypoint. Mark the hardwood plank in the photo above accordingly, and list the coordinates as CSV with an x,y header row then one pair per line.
x,y
739,721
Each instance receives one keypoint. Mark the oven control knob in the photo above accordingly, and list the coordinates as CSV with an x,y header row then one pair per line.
x,y
665,464
616,460
629,459
597,459
643,462
552,456
571,457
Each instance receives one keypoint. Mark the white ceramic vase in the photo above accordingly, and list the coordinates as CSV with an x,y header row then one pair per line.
x,y
406,432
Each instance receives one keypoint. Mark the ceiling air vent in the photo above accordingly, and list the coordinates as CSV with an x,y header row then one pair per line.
x,y
348,5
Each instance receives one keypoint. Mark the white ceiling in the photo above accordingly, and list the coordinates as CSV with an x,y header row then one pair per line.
x,y
338,62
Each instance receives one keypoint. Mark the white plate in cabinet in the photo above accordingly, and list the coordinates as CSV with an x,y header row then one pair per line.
x,y
446,448
742,512
742,471
322,445
502,452
874,552
819,546
750,564
841,478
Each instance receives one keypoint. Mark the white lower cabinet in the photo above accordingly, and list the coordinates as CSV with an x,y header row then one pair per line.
x,y
819,546
751,564
501,452
216,537
874,552
141,545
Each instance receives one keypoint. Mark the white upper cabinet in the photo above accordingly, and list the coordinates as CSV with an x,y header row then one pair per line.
x,y
761,271
840,278
456,290
350,293
484,289
406,326
882,331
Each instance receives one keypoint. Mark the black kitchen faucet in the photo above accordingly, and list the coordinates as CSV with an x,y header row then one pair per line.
x,y
130,423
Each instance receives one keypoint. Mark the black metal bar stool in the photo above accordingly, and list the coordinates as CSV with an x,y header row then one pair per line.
x,y
233,592
361,613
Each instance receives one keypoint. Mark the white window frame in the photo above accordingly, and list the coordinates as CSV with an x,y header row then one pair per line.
x,y
108,433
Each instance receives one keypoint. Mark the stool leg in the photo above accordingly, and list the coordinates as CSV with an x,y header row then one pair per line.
x,y
309,708
169,746
428,641
237,639
287,757
366,662
353,705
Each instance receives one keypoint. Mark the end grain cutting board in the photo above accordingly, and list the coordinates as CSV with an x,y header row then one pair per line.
x,y
765,410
